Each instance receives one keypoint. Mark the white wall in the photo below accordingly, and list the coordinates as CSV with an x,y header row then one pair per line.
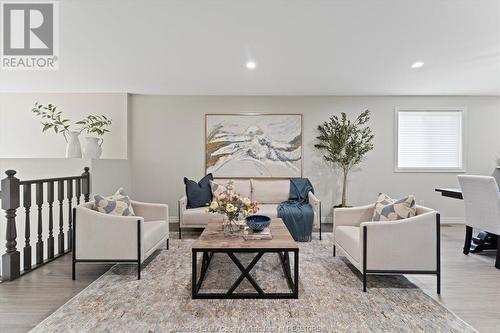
x,y
21,132
167,143
109,175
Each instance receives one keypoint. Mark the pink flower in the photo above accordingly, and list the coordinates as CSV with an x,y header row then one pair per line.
x,y
222,196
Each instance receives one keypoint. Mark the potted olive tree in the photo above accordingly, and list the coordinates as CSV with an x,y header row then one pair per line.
x,y
345,142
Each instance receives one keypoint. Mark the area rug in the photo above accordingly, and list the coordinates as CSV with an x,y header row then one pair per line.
x,y
330,299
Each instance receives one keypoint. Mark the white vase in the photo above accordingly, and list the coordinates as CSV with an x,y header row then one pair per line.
x,y
93,147
73,148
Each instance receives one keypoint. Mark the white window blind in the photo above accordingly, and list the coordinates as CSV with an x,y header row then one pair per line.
x,y
429,140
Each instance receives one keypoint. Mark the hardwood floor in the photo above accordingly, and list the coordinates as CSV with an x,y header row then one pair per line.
x,y
470,284
470,287
28,300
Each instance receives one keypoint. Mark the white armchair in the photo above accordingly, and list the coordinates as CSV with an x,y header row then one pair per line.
x,y
409,246
99,237
482,208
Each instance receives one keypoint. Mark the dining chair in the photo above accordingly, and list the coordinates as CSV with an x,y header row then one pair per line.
x,y
482,208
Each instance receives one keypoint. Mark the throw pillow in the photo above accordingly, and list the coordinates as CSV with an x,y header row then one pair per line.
x,y
388,209
198,194
116,204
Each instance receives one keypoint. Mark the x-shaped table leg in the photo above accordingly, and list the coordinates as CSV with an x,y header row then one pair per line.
x,y
285,262
245,273
204,267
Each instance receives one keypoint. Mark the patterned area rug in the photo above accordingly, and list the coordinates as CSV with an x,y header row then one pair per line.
x,y
330,299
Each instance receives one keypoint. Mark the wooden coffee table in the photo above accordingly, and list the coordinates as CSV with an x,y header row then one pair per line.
x,y
212,240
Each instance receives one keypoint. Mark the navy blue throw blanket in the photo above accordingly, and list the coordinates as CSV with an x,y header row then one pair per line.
x,y
296,212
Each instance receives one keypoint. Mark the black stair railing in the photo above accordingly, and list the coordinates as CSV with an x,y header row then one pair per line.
x,y
27,230
60,197
10,201
39,242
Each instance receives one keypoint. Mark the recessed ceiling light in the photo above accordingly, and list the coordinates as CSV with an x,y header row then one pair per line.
x,y
417,64
251,65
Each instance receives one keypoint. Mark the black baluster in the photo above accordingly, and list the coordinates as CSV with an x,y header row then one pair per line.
x,y
69,195
27,226
86,184
39,243
11,260
78,190
60,197
50,240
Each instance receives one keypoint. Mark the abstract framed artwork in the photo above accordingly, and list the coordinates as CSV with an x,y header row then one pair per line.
x,y
253,145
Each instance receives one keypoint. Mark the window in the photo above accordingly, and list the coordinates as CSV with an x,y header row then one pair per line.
x,y
429,139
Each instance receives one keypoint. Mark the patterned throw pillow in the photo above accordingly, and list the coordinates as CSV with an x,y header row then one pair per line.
x,y
116,204
388,209
218,189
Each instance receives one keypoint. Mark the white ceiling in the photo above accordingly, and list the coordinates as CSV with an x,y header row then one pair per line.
x,y
336,47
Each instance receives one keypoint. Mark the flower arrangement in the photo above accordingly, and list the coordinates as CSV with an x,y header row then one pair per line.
x,y
232,206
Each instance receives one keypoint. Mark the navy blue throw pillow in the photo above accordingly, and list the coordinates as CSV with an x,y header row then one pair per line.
x,y
199,194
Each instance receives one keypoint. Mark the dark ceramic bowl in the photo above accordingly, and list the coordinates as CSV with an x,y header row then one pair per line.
x,y
258,222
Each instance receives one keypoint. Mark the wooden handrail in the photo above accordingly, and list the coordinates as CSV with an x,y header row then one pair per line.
x,y
48,180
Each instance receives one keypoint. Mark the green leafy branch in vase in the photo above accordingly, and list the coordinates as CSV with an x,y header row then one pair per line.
x,y
51,118
95,124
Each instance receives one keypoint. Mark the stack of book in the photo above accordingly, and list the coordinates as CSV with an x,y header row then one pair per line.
x,y
249,234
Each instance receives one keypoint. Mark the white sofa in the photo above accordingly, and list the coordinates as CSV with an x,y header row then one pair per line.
x,y
408,246
100,237
267,192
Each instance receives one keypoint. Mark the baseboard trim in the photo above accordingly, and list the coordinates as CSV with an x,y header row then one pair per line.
x,y
326,220
452,220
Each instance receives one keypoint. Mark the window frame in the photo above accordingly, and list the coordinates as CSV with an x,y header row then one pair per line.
x,y
461,109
